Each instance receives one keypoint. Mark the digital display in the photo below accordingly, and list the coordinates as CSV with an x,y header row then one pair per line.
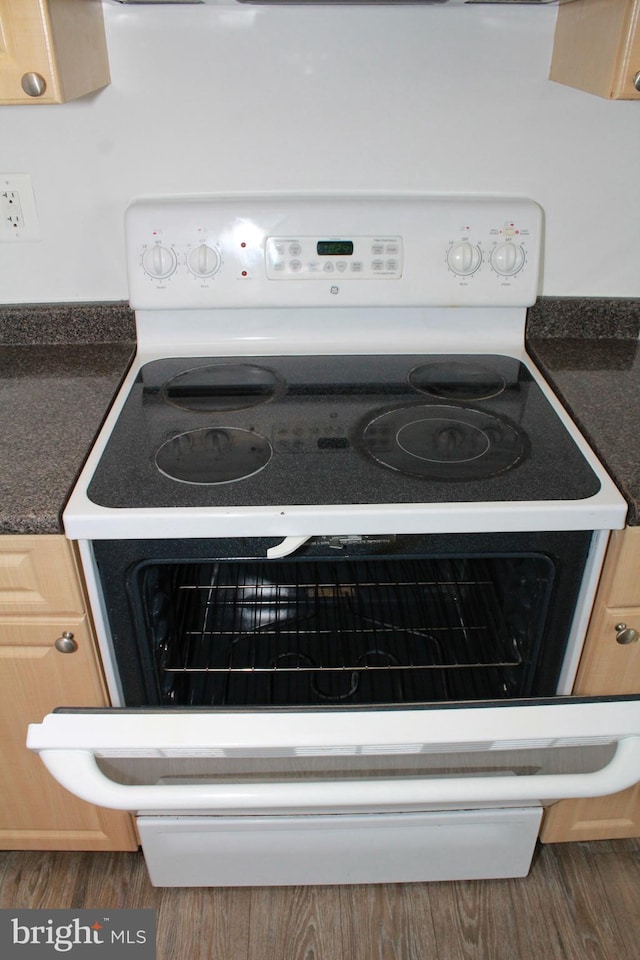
x,y
335,248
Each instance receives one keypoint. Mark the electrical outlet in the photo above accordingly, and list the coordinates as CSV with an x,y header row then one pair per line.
x,y
18,217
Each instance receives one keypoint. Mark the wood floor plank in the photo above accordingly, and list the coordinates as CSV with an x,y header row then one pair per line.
x,y
387,922
474,920
295,923
565,909
566,919
619,871
114,881
203,923
32,879
588,899
555,913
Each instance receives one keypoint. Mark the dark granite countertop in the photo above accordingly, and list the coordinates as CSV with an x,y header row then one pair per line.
x,y
599,383
590,354
61,365
54,394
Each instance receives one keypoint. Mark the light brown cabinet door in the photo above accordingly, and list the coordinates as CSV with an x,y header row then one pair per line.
x,y
51,50
607,668
41,599
597,47
36,813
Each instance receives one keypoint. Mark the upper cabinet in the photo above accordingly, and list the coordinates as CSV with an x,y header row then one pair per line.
x,y
51,50
597,47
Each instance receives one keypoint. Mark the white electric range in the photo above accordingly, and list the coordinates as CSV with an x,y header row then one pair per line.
x,y
342,543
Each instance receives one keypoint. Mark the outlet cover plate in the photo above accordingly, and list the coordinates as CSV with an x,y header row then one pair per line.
x,y
18,215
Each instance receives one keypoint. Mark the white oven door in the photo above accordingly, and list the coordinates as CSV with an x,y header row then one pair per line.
x,y
351,796
342,761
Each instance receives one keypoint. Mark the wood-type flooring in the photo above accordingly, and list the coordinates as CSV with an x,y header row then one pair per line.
x,y
581,901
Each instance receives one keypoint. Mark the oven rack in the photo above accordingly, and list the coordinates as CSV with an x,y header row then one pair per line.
x,y
327,618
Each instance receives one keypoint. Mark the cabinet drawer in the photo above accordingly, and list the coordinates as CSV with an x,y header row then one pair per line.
x,y
38,575
620,586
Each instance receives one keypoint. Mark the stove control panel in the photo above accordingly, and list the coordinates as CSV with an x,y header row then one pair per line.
x,y
314,258
295,251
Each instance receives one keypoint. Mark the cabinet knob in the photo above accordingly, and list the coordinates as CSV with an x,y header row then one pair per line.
x,y
636,81
66,643
625,634
34,84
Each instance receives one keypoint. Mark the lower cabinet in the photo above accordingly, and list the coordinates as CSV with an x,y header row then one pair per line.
x,y
610,665
48,659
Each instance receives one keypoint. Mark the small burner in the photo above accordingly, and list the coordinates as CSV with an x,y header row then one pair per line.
x,y
223,386
457,380
213,455
444,443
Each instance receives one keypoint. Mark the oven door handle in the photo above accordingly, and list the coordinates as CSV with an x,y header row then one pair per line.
x,y
78,771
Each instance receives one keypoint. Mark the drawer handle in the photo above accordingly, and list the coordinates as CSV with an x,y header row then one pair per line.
x,y
66,643
625,634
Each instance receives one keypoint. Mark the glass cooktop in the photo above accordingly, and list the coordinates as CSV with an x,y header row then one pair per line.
x,y
305,430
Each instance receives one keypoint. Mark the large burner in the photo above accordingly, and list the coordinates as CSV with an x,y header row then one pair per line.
x,y
457,380
223,386
444,442
213,455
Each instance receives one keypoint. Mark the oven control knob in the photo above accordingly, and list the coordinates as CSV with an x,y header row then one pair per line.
x,y
159,262
203,261
464,258
507,258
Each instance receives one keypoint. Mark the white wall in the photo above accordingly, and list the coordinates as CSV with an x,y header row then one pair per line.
x,y
245,98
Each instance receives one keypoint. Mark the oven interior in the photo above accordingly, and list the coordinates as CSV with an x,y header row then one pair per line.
x,y
373,627
363,631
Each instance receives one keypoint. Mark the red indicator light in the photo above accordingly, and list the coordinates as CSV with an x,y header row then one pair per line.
x,y
244,273
243,245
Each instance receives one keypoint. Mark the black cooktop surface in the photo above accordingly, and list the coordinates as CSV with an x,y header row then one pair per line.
x,y
304,430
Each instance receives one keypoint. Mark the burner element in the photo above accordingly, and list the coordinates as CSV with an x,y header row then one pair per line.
x,y
456,380
223,386
213,455
444,443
